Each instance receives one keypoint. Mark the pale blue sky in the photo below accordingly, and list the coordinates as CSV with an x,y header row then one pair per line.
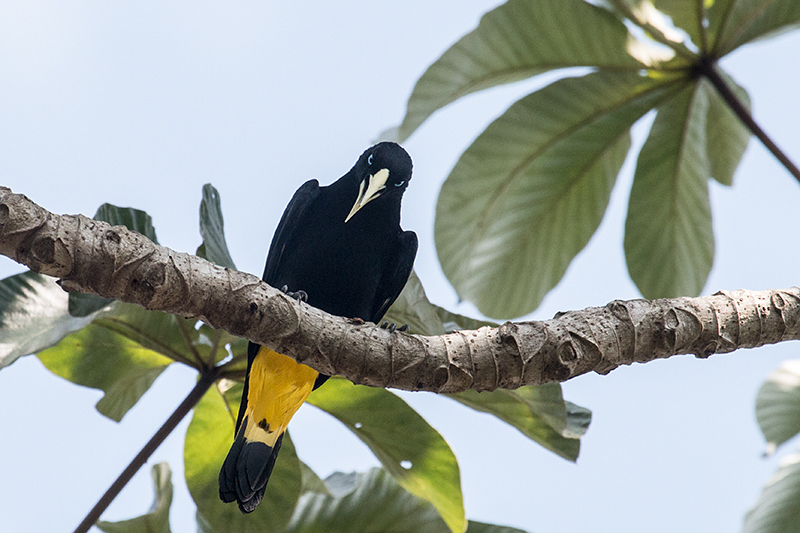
x,y
141,103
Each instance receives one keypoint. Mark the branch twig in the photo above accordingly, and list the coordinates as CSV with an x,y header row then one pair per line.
x,y
203,384
708,68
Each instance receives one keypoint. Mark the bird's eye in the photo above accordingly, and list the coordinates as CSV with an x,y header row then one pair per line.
x,y
400,184
369,159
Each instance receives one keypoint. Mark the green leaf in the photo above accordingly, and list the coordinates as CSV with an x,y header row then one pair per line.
x,y
83,304
414,309
133,219
157,519
726,135
311,481
539,413
529,193
34,315
776,510
778,404
100,358
371,501
410,449
208,440
687,15
669,243
212,228
733,23
480,527
517,40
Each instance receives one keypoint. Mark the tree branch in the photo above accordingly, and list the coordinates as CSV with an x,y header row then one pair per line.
x,y
92,256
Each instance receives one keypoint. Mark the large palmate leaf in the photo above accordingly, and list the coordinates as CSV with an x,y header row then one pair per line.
x,y
540,413
212,228
34,315
371,501
528,194
669,243
208,440
410,449
733,23
101,358
519,39
778,404
157,519
776,510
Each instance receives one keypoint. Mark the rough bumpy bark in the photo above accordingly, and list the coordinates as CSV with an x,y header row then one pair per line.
x,y
91,256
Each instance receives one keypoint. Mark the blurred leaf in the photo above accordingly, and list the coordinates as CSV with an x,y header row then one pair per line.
x,y
410,449
33,315
208,440
778,404
737,22
480,527
84,304
539,413
311,481
529,193
212,228
726,135
412,307
669,243
157,519
103,359
371,501
517,40
685,15
776,510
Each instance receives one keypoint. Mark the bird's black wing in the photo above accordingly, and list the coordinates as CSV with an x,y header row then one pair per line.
x,y
293,213
290,221
396,275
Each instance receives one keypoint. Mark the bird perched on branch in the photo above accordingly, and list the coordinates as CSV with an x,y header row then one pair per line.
x,y
341,249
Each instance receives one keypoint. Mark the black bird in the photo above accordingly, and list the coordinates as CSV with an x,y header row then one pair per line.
x,y
340,248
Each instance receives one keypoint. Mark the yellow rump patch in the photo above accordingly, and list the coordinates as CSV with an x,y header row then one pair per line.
x,y
278,387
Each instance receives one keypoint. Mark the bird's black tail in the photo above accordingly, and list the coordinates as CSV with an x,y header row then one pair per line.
x,y
246,470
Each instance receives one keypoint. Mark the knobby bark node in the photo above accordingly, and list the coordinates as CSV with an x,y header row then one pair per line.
x,y
111,261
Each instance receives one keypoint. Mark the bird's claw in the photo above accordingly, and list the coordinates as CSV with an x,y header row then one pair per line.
x,y
300,296
392,327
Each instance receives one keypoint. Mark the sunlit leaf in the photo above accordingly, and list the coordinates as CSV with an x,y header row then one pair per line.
x,y
410,449
669,243
371,501
103,359
517,40
726,135
212,228
539,413
776,510
737,22
34,315
778,404
529,193
208,440
157,519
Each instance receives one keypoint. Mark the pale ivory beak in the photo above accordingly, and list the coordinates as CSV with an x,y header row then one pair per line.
x,y
377,182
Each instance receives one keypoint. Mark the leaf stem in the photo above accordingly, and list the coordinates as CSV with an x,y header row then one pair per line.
x,y
207,378
707,67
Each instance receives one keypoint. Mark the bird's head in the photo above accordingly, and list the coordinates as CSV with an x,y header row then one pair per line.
x,y
382,171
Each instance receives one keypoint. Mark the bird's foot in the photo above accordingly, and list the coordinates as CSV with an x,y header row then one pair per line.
x,y
392,327
300,296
